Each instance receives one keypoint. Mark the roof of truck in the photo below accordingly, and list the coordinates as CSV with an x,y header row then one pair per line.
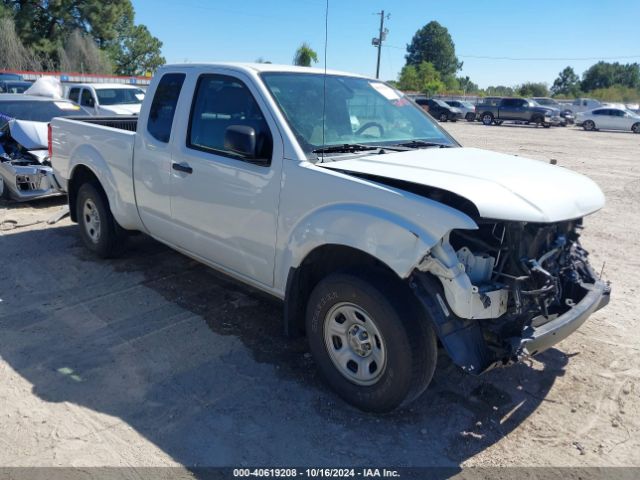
x,y
260,67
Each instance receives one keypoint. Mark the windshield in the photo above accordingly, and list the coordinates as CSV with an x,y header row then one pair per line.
x,y
36,111
357,110
119,96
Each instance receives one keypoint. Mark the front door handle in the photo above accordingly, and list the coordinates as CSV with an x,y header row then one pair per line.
x,y
182,167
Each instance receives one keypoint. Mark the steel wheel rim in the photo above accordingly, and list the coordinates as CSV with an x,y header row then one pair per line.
x,y
91,219
354,344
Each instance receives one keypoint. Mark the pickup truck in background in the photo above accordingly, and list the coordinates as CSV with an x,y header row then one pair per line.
x,y
338,195
107,99
518,110
566,115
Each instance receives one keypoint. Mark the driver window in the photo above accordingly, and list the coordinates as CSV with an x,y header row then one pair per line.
x,y
222,101
86,99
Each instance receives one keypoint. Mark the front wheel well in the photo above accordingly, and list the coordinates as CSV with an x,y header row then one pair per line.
x,y
81,175
319,263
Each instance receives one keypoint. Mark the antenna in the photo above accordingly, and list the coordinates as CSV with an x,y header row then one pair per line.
x,y
324,81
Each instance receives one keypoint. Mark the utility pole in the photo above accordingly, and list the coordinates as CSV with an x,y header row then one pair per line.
x,y
377,41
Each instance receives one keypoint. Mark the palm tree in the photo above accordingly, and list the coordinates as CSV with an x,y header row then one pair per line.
x,y
305,55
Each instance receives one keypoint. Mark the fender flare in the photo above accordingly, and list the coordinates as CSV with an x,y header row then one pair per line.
x,y
89,157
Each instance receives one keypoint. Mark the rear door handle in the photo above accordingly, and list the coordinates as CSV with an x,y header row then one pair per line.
x,y
182,167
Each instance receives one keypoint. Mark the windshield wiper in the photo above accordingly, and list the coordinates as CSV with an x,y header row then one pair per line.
x,y
345,148
422,144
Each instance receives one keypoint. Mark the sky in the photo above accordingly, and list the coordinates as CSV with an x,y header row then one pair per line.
x,y
501,42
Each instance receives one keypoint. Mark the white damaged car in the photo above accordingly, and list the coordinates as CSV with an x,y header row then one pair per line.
x,y
338,195
25,171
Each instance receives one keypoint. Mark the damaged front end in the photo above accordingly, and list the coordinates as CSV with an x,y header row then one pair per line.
x,y
507,290
25,170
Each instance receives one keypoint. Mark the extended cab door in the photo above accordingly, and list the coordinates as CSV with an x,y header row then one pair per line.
x,y
153,152
224,204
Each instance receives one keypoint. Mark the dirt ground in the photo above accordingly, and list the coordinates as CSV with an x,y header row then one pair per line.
x,y
155,360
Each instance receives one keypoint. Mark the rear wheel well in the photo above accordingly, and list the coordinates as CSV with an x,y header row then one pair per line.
x,y
319,263
81,175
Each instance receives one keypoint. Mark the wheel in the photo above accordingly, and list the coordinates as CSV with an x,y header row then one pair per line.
x,y
498,122
443,117
370,342
454,120
470,117
487,118
538,121
589,126
546,125
635,128
99,231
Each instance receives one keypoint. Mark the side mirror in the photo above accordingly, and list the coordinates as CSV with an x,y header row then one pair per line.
x,y
241,139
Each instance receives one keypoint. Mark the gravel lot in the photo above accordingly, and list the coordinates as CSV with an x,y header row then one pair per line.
x,y
154,360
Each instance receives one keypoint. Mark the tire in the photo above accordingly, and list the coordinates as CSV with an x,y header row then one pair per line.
x,y
588,125
99,231
546,125
443,117
470,117
498,122
635,128
395,333
539,121
487,118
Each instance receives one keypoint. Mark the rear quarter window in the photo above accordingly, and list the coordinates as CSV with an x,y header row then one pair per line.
x,y
163,107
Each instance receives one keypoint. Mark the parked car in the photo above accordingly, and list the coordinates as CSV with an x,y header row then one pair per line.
x,y
13,86
379,239
567,116
439,109
8,76
107,98
25,171
609,119
468,109
518,110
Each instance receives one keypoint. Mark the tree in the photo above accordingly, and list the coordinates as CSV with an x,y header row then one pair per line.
x,y
500,91
138,52
305,55
567,83
467,86
13,54
424,78
605,75
81,54
262,60
433,44
46,27
533,89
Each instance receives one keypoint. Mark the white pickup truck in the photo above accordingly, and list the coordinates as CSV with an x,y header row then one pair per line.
x,y
340,196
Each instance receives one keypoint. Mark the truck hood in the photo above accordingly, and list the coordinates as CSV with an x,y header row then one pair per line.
x,y
133,109
502,187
